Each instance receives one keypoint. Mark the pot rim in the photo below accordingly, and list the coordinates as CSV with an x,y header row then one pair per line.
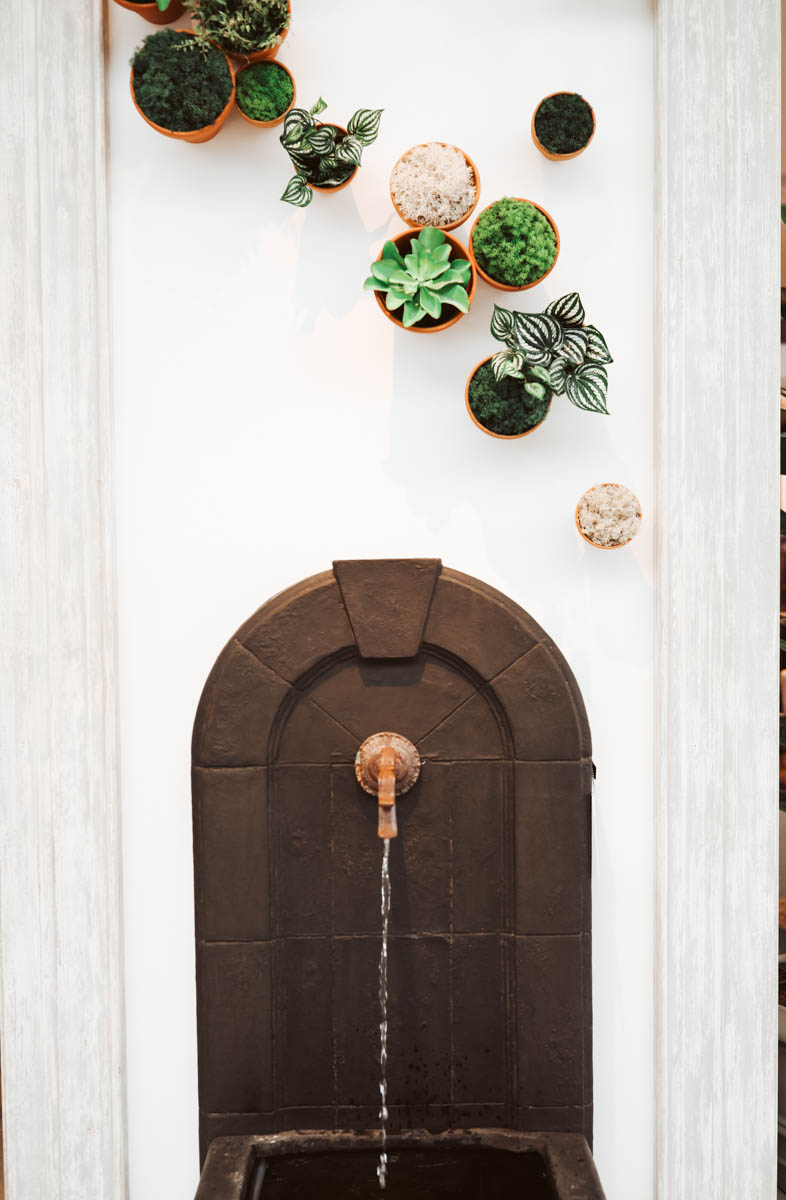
x,y
150,11
589,541
189,135
333,187
260,55
451,224
412,233
276,120
574,153
509,287
503,437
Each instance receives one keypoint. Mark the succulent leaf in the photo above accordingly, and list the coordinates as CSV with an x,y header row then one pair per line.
x,y
390,250
394,299
455,295
424,279
431,301
568,309
385,269
413,313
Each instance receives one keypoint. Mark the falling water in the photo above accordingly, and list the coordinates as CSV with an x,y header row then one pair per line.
x,y
382,1169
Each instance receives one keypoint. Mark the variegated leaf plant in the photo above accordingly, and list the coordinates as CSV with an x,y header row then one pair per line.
x,y
571,354
323,154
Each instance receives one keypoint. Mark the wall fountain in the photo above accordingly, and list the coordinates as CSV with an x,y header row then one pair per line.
x,y
488,967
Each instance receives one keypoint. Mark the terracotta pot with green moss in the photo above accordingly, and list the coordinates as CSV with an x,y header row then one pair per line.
x,y
514,244
563,125
183,92
160,12
251,30
264,93
546,354
423,280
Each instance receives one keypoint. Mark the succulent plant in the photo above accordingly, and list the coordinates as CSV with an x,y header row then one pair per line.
x,y
422,280
572,354
323,154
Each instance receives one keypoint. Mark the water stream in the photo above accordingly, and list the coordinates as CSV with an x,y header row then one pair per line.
x,y
382,1169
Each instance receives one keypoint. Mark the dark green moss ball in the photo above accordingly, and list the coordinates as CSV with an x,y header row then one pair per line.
x,y
503,406
179,84
264,91
564,123
514,243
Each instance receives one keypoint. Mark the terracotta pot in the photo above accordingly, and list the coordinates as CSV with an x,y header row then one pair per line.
x,y
595,546
152,13
259,55
561,157
504,437
191,135
452,224
509,287
277,120
333,187
402,243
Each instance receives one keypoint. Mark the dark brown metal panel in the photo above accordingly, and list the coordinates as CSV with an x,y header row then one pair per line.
x,y
388,601
486,1027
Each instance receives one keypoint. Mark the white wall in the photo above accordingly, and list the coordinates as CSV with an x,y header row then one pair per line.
x,y
269,419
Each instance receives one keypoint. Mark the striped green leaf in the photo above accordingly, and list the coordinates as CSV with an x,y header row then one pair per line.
x,y
568,309
321,141
508,364
350,150
298,192
558,375
501,323
597,350
535,389
317,108
538,335
365,124
540,374
587,387
574,346
296,125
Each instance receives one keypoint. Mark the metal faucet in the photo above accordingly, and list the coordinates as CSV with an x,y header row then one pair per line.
x,y
387,764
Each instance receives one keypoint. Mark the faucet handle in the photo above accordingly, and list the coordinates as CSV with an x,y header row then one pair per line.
x,y
387,764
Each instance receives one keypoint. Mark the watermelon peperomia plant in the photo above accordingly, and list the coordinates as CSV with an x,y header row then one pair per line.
x,y
570,356
324,154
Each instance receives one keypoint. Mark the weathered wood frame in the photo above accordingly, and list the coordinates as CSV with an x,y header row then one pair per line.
x,y
60,921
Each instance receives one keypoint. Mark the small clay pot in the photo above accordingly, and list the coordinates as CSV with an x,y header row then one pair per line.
x,y
595,546
260,55
277,120
575,153
152,13
504,437
191,135
333,187
402,242
509,287
452,224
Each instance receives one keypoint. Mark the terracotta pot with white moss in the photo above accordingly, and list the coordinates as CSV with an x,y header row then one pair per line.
x,y
435,184
608,516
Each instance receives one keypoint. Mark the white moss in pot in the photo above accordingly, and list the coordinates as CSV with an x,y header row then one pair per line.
x,y
608,516
434,184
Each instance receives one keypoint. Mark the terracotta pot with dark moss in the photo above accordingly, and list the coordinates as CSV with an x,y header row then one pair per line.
x,y
185,94
514,244
249,30
161,12
563,125
502,408
264,93
423,280
435,184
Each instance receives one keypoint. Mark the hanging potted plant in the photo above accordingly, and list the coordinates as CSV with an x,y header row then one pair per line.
x,y
423,281
326,157
160,12
435,184
514,244
249,29
182,89
563,125
552,353
264,93
608,516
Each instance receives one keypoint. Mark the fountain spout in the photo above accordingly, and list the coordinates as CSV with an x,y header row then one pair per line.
x,y
387,765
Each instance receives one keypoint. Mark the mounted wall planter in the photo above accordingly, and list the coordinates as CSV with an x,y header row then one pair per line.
x,y
266,96
510,239
430,182
563,125
608,516
504,386
416,299
152,13
164,82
